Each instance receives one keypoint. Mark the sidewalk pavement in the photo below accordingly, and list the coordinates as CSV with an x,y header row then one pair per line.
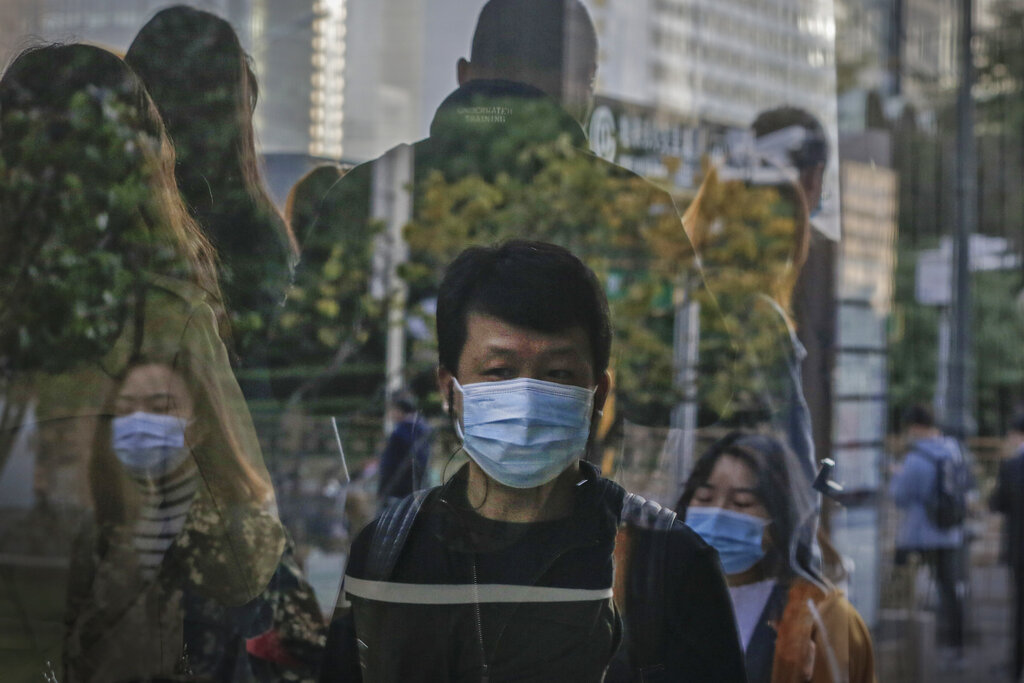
x,y
905,645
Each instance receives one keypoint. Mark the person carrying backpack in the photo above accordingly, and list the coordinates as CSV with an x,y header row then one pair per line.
x,y
527,565
931,488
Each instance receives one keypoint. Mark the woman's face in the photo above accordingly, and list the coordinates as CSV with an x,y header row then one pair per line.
x,y
731,486
156,389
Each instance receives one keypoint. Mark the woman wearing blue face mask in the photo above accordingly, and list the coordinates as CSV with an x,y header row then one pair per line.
x,y
185,535
747,498
110,304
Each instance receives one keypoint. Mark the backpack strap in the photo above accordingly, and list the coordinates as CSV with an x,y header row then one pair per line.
x,y
390,534
646,527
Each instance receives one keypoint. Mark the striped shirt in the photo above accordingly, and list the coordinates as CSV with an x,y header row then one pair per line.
x,y
165,505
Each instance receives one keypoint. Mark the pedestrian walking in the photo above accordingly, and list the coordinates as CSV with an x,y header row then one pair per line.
x,y
404,460
931,488
1008,500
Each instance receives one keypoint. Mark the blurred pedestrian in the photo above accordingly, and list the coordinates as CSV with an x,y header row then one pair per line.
x,y
931,488
403,464
197,73
506,571
1008,500
748,498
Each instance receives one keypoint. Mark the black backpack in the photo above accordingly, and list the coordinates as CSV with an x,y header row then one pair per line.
x,y
947,505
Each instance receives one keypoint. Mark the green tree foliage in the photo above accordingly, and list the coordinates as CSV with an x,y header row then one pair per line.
x,y
619,224
998,356
926,161
998,349
751,240
199,77
329,315
89,219
913,340
73,243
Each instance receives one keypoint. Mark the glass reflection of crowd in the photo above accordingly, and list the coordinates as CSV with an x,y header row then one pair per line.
x,y
148,284
182,568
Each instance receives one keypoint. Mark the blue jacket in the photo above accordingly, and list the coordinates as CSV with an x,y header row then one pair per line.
x,y
404,460
913,486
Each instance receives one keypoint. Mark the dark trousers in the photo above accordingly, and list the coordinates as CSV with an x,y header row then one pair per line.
x,y
1018,623
947,570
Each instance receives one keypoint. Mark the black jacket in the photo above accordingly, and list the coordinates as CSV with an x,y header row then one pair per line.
x,y
1008,499
526,602
505,160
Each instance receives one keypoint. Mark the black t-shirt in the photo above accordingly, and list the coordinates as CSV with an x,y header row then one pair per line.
x,y
532,602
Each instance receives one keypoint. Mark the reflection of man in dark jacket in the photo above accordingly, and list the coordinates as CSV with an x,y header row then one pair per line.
x,y
507,157
1008,499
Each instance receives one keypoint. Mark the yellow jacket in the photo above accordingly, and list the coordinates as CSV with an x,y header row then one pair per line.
x,y
821,638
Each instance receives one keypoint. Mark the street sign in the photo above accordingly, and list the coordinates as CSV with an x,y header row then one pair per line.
x,y
933,277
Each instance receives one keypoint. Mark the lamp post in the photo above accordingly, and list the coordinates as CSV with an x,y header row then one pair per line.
x,y
957,419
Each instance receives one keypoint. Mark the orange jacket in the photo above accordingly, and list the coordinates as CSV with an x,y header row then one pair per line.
x,y
803,647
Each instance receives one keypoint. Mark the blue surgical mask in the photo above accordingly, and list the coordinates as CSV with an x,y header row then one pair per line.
x,y
524,432
149,445
735,535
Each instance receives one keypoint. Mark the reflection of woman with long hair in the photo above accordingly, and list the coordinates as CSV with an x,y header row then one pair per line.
x,y
197,73
122,297
88,208
747,498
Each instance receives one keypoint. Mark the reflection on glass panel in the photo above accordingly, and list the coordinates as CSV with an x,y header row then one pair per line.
x,y
279,400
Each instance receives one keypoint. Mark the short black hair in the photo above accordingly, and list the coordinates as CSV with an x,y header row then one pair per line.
x,y
535,285
1017,423
536,35
813,151
404,401
918,415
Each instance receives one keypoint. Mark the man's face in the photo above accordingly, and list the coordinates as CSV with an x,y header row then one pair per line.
x,y
496,350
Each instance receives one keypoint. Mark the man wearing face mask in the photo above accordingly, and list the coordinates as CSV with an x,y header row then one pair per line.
x,y
506,571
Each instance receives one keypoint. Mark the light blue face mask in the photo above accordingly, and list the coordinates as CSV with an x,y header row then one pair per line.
x,y
735,535
149,445
524,432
